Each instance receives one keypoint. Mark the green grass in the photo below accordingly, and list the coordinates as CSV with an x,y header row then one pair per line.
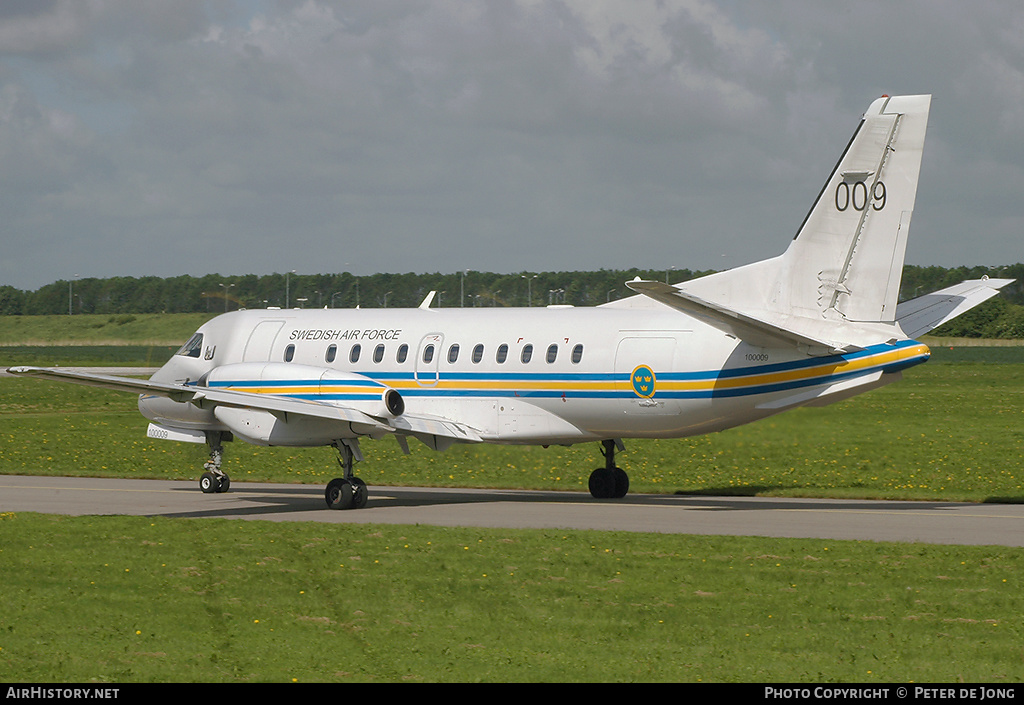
x,y
86,355
946,351
177,600
100,329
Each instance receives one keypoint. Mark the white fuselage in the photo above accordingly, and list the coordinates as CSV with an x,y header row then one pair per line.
x,y
554,375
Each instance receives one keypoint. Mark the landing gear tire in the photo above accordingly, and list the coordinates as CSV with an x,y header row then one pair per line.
x,y
609,483
344,493
339,494
210,483
359,493
348,492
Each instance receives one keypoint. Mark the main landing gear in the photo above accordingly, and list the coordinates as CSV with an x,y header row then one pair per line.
x,y
214,479
348,492
609,482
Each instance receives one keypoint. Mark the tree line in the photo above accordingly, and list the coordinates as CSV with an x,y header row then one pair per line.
x,y
213,293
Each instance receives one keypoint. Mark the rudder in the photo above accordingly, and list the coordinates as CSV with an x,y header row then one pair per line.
x,y
847,258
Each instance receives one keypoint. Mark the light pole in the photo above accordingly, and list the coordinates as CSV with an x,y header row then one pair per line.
x,y
69,296
226,287
529,288
287,289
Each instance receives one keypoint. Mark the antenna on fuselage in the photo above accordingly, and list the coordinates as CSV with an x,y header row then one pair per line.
x,y
427,301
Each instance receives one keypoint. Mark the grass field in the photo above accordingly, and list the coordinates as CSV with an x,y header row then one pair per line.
x,y
119,599
170,329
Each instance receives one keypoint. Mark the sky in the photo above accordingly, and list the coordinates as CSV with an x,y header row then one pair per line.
x,y
145,137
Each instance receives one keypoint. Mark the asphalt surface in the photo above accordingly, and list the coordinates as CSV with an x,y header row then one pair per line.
x,y
919,522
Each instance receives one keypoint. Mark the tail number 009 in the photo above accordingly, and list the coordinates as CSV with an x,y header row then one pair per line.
x,y
856,195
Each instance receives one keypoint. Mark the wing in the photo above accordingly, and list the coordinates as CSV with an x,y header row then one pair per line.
x,y
435,432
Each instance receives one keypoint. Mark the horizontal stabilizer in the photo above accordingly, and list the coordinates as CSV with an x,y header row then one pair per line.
x,y
925,313
750,328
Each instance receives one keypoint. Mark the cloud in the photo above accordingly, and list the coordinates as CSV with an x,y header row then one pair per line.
x,y
143,138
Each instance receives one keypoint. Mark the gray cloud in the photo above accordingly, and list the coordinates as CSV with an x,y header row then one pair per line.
x,y
142,138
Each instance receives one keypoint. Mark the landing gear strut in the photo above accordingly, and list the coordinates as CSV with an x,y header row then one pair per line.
x,y
609,482
348,492
214,479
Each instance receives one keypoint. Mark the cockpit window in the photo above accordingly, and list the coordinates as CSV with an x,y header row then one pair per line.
x,y
193,348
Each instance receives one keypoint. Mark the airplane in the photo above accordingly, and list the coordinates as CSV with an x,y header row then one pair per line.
x,y
817,324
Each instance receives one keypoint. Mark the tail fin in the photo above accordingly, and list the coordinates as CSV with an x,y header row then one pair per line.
x,y
845,263
847,258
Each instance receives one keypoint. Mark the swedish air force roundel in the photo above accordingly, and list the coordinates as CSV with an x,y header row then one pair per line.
x,y
643,381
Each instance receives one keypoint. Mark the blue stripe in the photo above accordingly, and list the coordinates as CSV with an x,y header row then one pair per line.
x,y
509,380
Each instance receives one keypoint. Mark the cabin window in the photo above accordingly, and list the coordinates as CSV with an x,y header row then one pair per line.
x,y
428,354
502,353
478,353
453,353
353,355
193,347
552,353
378,353
403,353
332,352
289,353
527,353
577,354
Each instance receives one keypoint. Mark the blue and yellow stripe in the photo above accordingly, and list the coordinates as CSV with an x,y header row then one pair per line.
x,y
741,381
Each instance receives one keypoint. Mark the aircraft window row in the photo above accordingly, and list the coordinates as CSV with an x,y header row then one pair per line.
x,y
501,355
193,347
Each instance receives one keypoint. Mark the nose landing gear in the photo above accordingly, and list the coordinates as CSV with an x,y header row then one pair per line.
x,y
214,479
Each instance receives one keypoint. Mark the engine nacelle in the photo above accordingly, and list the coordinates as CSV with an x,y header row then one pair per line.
x,y
347,389
265,428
